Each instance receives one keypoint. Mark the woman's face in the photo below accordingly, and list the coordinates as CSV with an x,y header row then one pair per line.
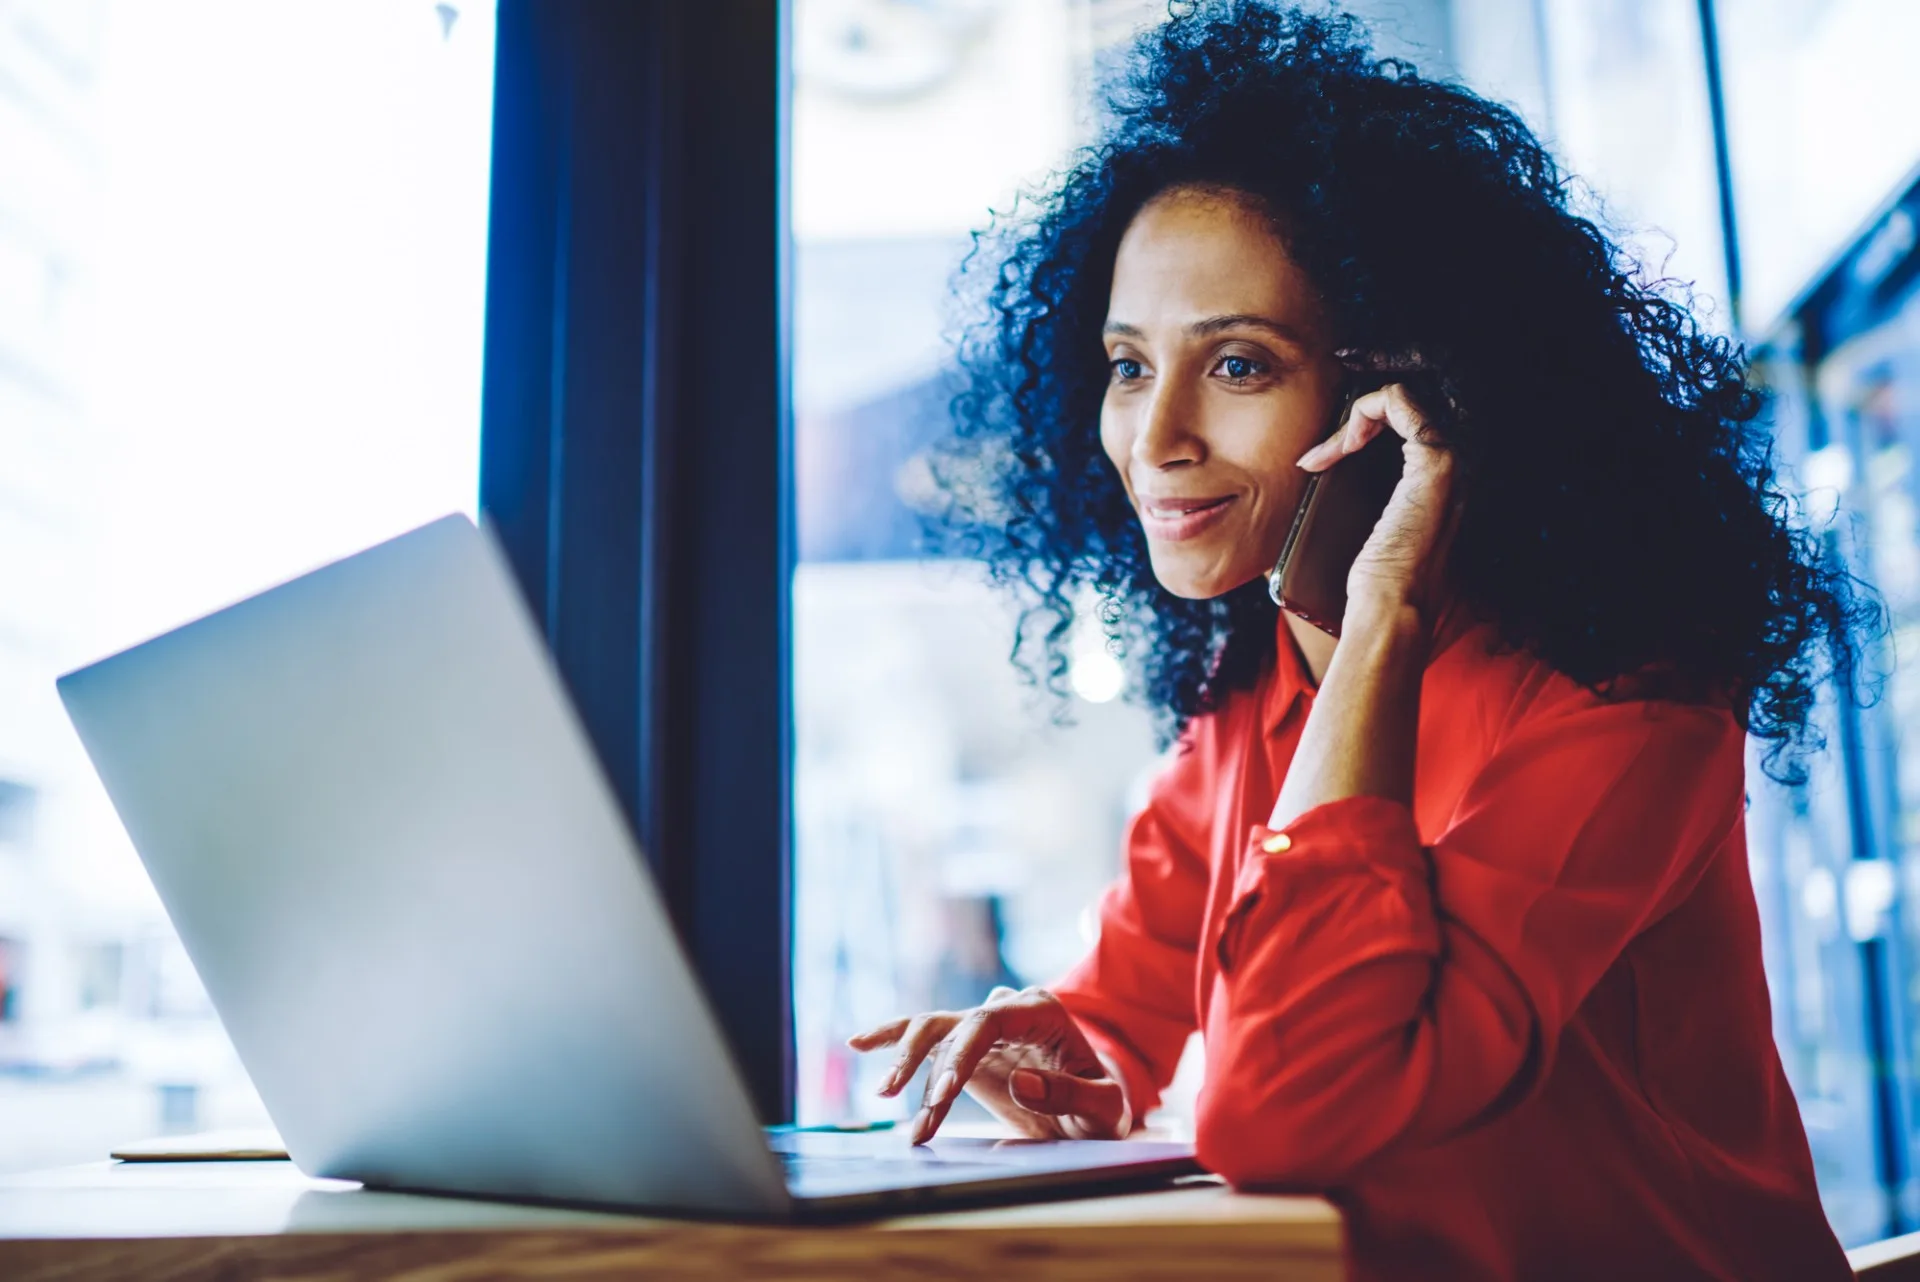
x,y
1222,375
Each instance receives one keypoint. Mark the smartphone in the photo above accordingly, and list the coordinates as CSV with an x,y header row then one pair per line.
x,y
1337,512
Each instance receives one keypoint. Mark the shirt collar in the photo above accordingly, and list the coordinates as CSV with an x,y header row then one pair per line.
x,y
1290,687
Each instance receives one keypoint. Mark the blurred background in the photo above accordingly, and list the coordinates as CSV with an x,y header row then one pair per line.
x,y
242,257
242,252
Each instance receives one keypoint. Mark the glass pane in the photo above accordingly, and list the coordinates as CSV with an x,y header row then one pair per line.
x,y
950,837
242,252
1630,117
1823,113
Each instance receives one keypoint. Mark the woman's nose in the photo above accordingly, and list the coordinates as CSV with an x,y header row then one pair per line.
x,y
1169,430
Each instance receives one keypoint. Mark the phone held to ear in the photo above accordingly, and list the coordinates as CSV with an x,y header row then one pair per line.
x,y
1337,512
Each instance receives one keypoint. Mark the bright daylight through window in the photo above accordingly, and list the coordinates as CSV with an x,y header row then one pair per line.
x,y
242,261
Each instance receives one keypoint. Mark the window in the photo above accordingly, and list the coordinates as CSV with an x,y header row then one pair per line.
x,y
1630,115
1823,115
949,836
242,252
1834,861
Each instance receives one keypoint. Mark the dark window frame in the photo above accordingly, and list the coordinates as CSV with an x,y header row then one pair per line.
x,y
635,446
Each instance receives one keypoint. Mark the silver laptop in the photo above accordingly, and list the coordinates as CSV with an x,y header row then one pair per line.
x,y
381,832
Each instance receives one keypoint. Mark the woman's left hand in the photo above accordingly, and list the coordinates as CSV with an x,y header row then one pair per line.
x,y
1401,562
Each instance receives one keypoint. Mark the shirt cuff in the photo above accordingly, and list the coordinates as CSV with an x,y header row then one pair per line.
x,y
1330,844
1364,826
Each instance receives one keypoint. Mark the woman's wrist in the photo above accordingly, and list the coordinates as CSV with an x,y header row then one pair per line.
x,y
1391,622
1359,738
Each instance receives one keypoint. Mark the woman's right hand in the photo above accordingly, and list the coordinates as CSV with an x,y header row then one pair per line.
x,y
1018,1053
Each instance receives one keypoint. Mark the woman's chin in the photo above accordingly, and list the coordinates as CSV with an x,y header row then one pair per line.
x,y
1194,583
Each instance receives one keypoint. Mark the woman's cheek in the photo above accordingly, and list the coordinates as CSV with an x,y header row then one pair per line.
x,y
1290,426
1115,441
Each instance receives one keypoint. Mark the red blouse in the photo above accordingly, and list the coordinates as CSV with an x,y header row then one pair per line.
x,y
1520,1031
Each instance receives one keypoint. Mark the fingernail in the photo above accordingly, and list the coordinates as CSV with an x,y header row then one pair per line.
x,y
922,1125
942,1089
892,1084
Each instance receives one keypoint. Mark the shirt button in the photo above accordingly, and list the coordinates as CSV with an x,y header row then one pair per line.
x,y
1277,844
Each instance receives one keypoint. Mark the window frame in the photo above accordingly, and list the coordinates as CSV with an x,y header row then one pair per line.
x,y
636,446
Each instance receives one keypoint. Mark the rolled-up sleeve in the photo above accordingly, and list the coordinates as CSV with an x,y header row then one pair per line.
x,y
1375,992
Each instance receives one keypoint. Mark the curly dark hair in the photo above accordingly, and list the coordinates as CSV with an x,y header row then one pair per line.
x,y
1619,513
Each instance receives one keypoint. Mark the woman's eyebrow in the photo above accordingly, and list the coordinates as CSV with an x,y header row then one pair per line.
x,y
1214,325
1244,320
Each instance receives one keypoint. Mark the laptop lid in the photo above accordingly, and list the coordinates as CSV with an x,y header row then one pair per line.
x,y
389,849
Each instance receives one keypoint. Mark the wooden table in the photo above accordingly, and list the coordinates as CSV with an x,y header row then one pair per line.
x,y
233,1220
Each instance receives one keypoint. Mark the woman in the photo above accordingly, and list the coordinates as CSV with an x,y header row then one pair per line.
x,y
1460,901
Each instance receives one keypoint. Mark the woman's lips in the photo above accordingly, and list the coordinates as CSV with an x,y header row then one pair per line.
x,y
1174,520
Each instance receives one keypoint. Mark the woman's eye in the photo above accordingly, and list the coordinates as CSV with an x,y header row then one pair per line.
x,y
1239,369
1126,369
